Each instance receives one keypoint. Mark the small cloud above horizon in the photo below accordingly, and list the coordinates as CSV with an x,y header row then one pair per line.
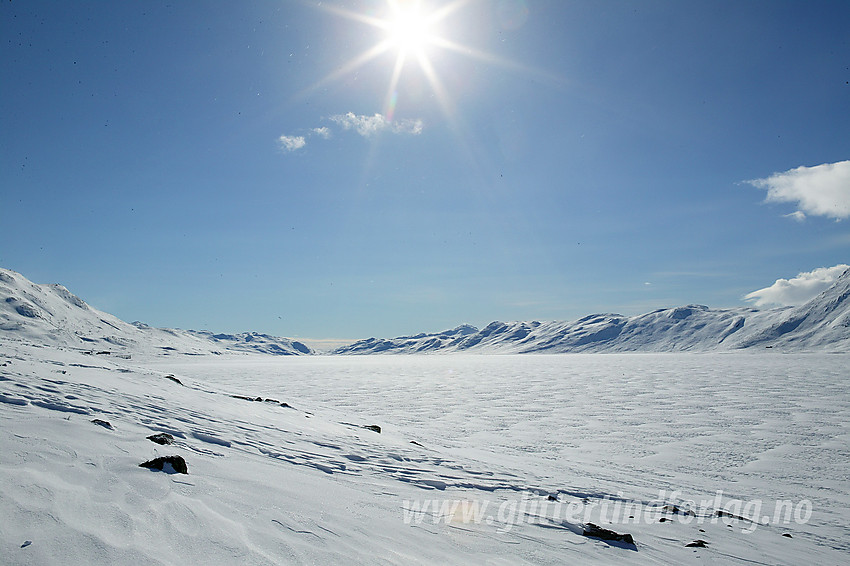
x,y
323,132
366,126
370,125
291,143
798,290
822,190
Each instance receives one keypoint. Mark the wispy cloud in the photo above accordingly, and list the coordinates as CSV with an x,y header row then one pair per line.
x,y
370,125
822,190
364,125
797,215
796,291
291,143
324,132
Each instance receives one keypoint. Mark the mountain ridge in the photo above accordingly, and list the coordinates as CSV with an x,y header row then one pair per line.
x,y
821,323
52,314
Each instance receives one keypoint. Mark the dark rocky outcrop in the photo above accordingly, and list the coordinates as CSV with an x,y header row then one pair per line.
x,y
261,400
161,438
374,427
104,424
174,379
246,398
699,543
170,464
595,531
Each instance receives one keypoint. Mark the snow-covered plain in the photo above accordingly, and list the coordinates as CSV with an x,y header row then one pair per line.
x,y
480,459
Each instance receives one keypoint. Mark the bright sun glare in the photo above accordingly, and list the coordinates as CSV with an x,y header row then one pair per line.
x,y
408,29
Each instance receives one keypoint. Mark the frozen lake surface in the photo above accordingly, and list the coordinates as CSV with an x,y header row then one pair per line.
x,y
491,459
754,426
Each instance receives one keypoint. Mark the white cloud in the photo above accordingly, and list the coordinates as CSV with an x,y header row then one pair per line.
x,y
291,143
369,125
796,291
364,125
323,132
797,215
821,190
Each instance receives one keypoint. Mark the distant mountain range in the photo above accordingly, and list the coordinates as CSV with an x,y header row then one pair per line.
x,y
52,315
823,323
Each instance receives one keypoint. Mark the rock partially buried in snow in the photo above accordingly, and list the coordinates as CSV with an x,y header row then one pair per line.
x,y
596,531
104,424
161,438
374,427
174,379
699,543
167,464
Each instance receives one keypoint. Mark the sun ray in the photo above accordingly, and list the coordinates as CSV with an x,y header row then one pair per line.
x,y
392,92
411,30
360,60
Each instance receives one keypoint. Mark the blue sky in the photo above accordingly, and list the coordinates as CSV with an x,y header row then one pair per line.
x,y
265,165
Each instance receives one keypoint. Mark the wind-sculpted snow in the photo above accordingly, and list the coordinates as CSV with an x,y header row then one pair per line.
x,y
626,459
821,323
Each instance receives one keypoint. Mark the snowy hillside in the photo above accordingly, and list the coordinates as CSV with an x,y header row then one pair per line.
x,y
821,323
52,315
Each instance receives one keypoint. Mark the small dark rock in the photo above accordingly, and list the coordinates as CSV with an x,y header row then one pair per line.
x,y
252,399
272,401
286,405
161,438
596,531
174,379
663,520
104,424
175,463
702,530
416,443
552,498
699,543
787,535
374,427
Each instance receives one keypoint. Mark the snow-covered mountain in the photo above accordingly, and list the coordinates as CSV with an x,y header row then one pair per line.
x,y
821,323
52,315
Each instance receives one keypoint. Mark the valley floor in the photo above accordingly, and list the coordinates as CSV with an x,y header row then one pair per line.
x,y
484,459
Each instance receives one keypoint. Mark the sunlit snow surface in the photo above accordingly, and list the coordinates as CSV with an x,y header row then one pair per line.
x,y
307,484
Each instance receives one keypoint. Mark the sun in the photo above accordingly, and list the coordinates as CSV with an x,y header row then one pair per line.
x,y
409,29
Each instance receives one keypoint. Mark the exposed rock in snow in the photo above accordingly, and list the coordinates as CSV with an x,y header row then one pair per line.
x,y
168,464
162,438
596,531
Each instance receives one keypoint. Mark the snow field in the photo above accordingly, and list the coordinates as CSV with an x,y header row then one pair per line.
x,y
470,449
